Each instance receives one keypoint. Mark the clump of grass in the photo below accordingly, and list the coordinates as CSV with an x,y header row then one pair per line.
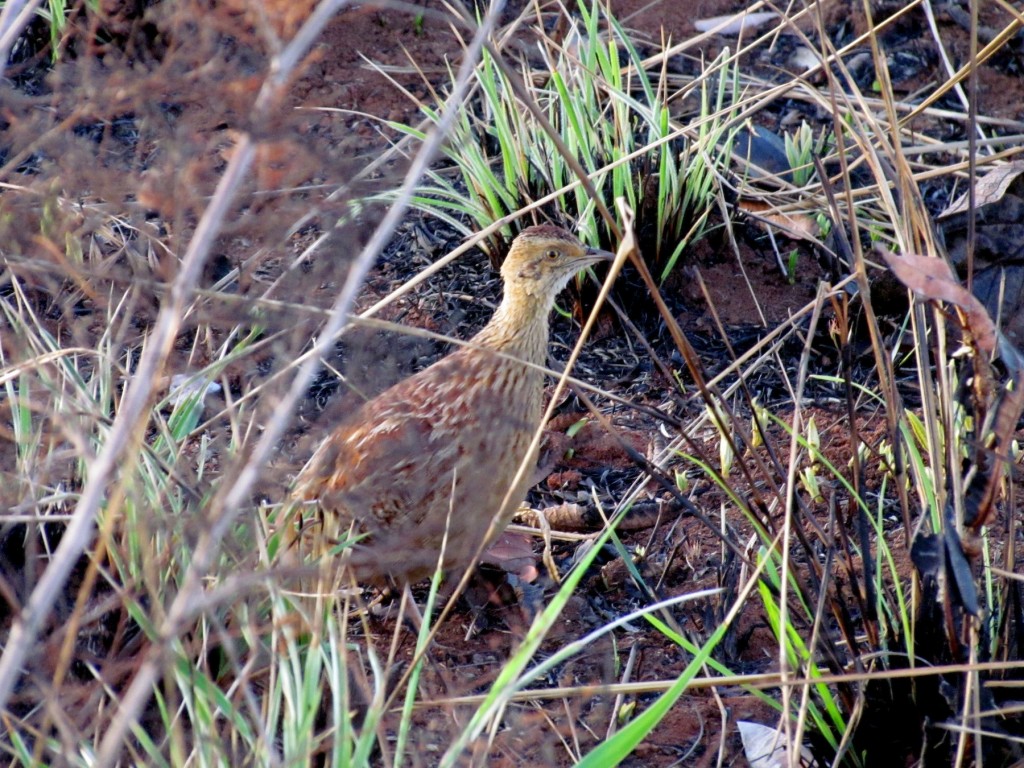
x,y
801,147
589,104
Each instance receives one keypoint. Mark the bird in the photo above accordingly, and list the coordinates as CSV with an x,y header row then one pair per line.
x,y
433,463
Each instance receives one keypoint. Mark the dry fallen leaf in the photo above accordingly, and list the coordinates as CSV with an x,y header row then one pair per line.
x,y
932,278
766,747
989,188
560,517
799,226
513,553
804,59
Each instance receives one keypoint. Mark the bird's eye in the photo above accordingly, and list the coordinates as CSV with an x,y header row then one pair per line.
x,y
552,254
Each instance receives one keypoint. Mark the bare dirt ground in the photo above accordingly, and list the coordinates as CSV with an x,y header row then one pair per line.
x,y
344,102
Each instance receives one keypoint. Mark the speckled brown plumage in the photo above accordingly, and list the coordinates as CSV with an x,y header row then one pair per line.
x,y
442,448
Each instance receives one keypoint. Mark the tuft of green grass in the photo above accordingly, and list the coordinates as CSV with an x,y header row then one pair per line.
x,y
801,148
590,103
56,14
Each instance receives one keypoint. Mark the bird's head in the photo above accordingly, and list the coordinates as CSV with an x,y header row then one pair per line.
x,y
543,259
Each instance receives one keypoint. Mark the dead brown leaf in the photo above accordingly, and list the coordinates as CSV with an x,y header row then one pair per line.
x,y
798,226
932,278
989,188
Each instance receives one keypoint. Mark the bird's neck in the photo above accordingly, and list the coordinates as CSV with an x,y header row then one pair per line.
x,y
519,328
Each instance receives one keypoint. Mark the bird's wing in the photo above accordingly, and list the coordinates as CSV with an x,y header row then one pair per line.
x,y
398,453
383,464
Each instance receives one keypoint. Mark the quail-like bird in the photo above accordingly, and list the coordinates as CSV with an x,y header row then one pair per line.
x,y
436,458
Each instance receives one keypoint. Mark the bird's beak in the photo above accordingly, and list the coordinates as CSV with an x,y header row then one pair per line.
x,y
596,254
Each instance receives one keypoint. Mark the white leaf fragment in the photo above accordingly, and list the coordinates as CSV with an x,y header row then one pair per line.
x,y
186,385
734,24
766,747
